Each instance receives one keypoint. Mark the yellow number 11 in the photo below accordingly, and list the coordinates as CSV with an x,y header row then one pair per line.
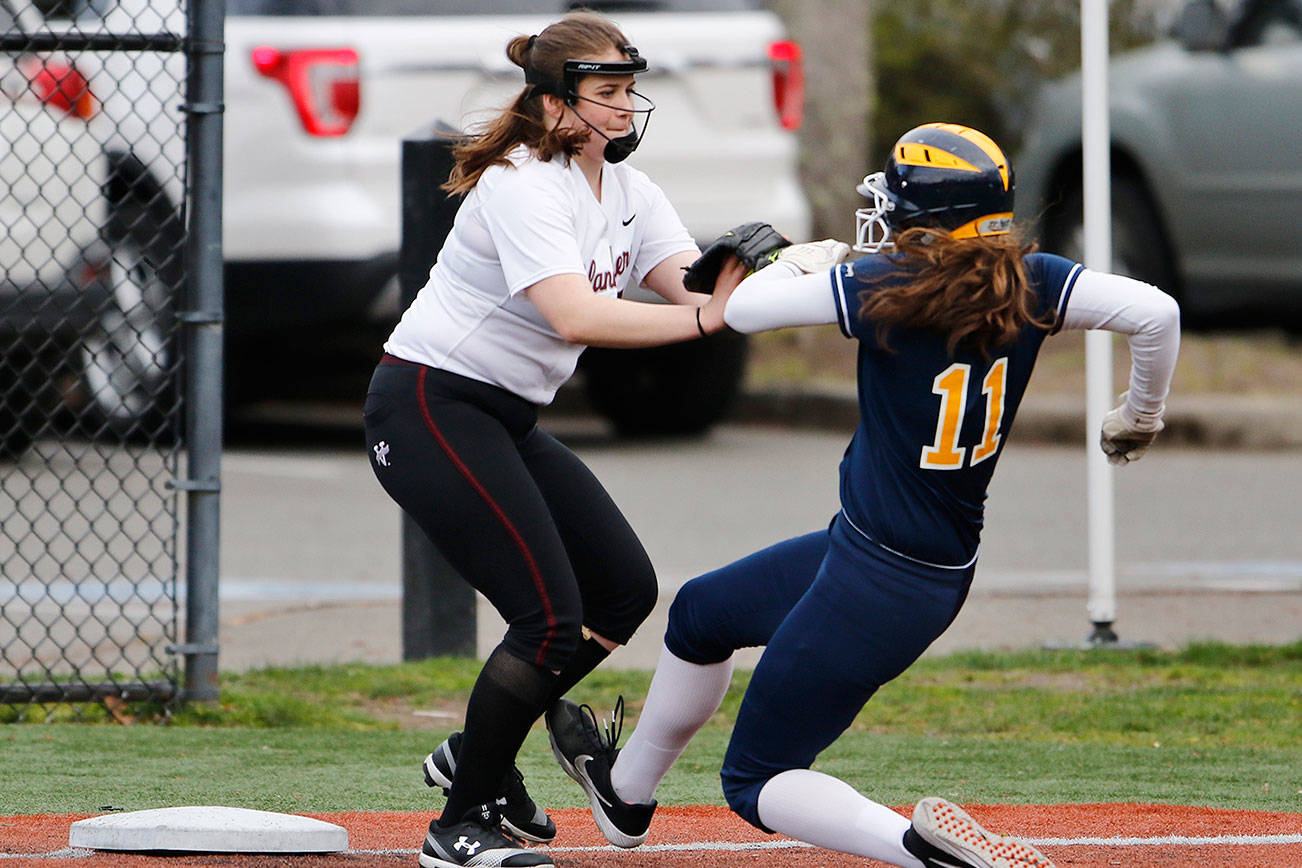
x,y
951,385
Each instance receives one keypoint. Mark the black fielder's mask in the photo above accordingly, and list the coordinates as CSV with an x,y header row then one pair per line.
x,y
567,89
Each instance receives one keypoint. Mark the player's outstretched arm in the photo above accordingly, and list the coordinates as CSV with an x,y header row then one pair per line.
x,y
1150,319
795,290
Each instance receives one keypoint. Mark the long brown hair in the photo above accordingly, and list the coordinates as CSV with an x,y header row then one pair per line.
x,y
972,290
577,35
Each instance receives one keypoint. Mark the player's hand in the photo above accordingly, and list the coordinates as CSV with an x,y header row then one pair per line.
x,y
1126,436
815,256
731,273
752,243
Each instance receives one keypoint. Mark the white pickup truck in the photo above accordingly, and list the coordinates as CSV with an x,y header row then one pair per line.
x,y
319,95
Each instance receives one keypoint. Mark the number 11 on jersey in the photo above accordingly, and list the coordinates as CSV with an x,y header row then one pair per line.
x,y
951,384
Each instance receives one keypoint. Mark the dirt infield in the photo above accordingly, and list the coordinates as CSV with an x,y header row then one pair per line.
x,y
1081,836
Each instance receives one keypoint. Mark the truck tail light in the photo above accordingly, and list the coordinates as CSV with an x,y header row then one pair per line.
x,y
59,85
323,83
788,67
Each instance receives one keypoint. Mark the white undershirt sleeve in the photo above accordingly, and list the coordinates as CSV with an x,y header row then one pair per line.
x,y
779,296
1149,318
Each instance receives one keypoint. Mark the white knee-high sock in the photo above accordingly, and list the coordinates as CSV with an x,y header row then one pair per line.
x,y
682,697
827,812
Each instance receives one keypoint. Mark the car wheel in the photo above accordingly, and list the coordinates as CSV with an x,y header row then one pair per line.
x,y
675,390
127,356
1139,247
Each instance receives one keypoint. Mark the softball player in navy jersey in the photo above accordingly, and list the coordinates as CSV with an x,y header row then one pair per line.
x,y
950,311
552,229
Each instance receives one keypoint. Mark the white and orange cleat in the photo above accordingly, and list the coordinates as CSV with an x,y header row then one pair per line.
x,y
948,831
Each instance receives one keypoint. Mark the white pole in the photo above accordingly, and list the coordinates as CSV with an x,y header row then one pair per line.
x,y
1102,605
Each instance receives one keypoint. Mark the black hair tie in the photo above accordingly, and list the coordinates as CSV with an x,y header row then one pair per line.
x,y
532,40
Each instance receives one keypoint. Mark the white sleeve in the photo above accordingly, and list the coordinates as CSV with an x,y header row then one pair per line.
x,y
779,296
531,218
661,233
1149,318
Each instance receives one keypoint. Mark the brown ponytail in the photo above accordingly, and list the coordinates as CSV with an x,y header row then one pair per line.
x,y
577,35
972,290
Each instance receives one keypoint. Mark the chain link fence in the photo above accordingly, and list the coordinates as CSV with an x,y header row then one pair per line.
x,y
93,192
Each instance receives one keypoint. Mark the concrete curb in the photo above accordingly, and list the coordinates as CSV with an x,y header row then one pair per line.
x,y
1211,421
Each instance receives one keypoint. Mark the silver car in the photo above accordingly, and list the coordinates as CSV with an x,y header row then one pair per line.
x,y
51,213
86,272
1206,166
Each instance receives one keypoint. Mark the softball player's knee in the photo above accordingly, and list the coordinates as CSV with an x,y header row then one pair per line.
x,y
644,596
691,634
634,607
616,614
548,642
742,792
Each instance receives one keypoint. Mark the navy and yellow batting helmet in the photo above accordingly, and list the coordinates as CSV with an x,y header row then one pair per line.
x,y
942,175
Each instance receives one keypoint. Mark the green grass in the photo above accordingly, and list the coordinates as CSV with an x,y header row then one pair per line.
x,y
1208,725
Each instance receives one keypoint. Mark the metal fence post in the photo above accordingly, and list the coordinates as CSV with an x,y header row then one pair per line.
x,y
203,319
429,583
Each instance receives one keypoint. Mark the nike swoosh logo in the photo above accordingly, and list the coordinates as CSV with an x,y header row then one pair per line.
x,y
581,763
629,220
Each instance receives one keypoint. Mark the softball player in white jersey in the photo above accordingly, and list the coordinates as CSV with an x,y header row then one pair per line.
x,y
552,230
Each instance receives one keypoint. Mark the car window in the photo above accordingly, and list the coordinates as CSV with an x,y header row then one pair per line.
x,y
386,8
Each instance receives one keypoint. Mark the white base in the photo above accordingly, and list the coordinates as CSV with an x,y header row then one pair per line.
x,y
208,829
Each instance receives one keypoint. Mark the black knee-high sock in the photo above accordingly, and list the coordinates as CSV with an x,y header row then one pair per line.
x,y
589,655
508,697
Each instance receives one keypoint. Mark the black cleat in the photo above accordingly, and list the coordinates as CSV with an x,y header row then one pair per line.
x,y
520,815
587,756
477,840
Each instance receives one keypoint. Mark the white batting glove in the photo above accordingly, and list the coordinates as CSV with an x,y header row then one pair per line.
x,y
815,256
1126,435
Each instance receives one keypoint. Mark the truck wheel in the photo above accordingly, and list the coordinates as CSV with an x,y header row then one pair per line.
x,y
1139,247
680,389
127,357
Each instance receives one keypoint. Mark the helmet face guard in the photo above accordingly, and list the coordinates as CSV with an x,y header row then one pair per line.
x,y
567,89
619,148
943,176
872,229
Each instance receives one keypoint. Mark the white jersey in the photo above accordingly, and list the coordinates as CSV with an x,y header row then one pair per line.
x,y
517,226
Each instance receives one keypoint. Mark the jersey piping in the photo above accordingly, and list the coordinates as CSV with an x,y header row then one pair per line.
x,y
1067,286
842,311
863,533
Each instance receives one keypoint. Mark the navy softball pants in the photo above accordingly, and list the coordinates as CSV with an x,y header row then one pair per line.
x,y
514,511
840,616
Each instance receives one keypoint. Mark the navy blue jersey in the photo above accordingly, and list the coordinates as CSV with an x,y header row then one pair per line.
x,y
932,425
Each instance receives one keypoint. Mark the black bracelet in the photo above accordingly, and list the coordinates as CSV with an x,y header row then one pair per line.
x,y
700,328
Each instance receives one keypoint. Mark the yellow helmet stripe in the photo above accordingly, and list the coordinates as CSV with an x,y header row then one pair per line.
x,y
982,141
990,224
915,154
